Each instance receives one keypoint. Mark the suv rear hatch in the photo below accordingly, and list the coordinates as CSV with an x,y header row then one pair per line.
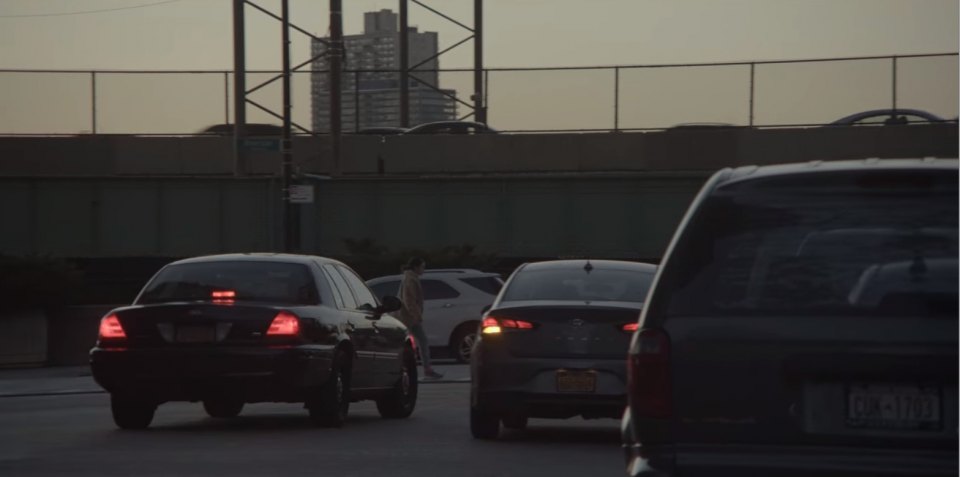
x,y
816,308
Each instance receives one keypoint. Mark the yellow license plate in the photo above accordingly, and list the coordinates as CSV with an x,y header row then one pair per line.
x,y
576,381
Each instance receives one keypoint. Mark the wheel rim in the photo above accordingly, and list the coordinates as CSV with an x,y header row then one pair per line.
x,y
405,381
466,345
341,399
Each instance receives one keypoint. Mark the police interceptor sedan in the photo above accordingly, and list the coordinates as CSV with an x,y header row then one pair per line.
x,y
227,330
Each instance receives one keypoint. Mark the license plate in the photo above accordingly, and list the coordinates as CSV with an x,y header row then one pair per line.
x,y
576,381
196,334
893,406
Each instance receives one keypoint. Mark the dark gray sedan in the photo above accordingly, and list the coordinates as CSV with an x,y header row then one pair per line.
x,y
554,341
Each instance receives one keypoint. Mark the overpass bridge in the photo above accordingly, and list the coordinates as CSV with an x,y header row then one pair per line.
x,y
617,195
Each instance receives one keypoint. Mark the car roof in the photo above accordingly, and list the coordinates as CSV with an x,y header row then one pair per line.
x,y
257,257
744,173
441,273
419,127
887,112
573,264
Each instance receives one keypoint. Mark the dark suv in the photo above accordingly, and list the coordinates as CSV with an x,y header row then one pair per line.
x,y
803,322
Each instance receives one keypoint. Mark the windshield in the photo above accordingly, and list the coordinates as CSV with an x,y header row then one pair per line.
x,y
272,282
579,285
853,246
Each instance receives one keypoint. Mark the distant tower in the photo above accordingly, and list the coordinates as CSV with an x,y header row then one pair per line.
x,y
378,48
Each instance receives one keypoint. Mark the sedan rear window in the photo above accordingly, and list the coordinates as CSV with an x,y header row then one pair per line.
x,y
579,285
273,282
882,243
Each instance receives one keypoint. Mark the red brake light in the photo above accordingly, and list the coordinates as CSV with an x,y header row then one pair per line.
x,y
284,324
630,327
493,325
111,329
223,296
490,326
648,375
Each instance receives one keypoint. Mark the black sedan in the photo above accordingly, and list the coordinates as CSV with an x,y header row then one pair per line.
x,y
554,342
244,328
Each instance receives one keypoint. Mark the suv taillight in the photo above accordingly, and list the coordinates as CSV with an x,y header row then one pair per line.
x,y
284,324
111,329
648,375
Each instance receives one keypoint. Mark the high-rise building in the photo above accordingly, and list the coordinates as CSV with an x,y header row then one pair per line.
x,y
371,98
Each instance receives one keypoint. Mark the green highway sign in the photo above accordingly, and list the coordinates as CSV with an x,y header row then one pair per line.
x,y
262,144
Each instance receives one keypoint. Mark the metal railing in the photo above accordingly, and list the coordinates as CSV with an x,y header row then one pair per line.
x,y
777,93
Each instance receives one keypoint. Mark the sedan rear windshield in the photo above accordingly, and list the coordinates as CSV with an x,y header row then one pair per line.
x,y
579,285
271,282
879,243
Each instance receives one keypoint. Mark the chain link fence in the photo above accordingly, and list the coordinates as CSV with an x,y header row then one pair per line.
x,y
609,98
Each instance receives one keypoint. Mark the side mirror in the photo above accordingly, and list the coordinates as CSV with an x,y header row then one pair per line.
x,y
389,304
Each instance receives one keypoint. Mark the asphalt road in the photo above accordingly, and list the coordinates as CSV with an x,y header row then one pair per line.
x,y
74,435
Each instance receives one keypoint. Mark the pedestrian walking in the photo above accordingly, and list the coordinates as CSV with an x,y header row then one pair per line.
x,y
411,311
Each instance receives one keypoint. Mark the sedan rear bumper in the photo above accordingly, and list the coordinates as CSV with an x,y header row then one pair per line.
x,y
253,375
788,461
529,386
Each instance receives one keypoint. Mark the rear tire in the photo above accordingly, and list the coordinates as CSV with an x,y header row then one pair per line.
x,y
461,346
222,408
130,412
400,401
484,424
515,422
328,406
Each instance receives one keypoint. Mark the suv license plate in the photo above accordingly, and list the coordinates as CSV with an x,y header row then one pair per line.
x,y
576,381
893,407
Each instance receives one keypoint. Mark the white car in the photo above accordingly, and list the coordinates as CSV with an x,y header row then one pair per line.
x,y
453,302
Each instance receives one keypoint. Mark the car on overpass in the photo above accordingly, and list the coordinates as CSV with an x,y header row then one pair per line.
x,y
451,127
233,329
454,300
553,343
803,322
888,117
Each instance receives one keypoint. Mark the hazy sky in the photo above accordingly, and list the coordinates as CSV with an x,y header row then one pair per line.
x,y
197,34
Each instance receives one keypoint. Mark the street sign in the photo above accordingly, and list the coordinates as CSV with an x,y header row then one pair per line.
x,y
262,144
301,194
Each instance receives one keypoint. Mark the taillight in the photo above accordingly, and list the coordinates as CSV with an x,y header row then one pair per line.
x,y
111,329
493,325
648,375
630,327
284,324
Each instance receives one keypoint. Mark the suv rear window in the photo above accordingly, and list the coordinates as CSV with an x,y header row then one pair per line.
x,y
491,285
883,242
257,281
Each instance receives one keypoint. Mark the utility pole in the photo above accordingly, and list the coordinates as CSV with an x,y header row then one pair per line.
x,y
404,66
336,57
239,88
479,109
291,225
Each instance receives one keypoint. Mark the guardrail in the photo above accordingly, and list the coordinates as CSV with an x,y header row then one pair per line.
x,y
777,93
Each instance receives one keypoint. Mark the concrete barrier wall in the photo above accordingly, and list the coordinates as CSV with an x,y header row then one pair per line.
x,y
672,150
23,338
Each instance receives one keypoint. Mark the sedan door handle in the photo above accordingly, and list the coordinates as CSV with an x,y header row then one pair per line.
x,y
447,305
